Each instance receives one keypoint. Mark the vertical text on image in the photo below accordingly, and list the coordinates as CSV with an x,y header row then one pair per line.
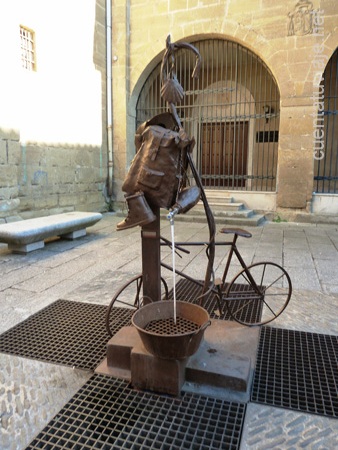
x,y
318,64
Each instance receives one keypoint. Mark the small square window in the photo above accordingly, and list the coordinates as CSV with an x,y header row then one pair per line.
x,y
27,38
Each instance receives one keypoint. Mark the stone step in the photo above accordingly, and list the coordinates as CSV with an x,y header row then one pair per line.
x,y
210,193
220,199
250,219
253,220
221,206
242,212
225,210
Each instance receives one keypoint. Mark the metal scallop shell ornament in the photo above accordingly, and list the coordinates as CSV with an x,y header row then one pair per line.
x,y
172,91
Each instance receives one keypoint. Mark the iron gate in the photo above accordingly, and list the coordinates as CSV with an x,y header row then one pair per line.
x,y
232,110
326,148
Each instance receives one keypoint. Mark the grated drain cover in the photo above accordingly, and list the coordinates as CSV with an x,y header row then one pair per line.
x,y
107,414
65,332
297,370
169,327
188,291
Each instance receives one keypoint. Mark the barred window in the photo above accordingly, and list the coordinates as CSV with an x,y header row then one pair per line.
x,y
27,38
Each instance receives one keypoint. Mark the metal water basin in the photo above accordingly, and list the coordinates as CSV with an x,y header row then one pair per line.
x,y
164,338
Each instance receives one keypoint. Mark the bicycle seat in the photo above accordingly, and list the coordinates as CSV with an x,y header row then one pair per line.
x,y
237,231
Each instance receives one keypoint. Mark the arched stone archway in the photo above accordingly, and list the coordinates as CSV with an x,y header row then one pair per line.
x,y
232,110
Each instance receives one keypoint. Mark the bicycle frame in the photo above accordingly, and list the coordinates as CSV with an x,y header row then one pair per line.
x,y
241,297
233,250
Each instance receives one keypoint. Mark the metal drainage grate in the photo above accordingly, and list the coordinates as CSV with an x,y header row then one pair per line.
x,y
297,370
169,327
189,291
107,414
65,332
245,308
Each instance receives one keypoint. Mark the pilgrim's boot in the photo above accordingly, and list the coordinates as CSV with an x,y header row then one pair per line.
x,y
139,212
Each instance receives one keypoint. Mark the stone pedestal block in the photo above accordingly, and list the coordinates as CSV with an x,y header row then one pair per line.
x,y
225,357
156,374
224,360
119,348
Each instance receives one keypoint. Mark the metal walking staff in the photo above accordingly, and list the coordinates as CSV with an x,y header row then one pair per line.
x,y
172,92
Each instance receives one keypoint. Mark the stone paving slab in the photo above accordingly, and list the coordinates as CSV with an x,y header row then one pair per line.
x,y
90,269
266,427
31,393
314,312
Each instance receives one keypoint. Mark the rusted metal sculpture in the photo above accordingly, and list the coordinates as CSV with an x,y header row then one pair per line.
x,y
173,92
158,175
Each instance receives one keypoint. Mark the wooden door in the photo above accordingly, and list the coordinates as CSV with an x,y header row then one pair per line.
x,y
224,154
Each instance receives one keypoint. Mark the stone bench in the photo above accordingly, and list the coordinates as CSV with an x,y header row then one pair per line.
x,y
27,235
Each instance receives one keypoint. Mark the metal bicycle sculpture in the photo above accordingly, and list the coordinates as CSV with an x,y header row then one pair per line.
x,y
264,287
256,295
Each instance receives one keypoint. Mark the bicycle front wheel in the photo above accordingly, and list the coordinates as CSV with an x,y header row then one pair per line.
x,y
258,294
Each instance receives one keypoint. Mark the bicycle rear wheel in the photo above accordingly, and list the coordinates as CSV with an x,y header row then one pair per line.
x,y
258,294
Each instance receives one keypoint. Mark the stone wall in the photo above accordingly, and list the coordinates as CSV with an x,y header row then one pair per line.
x,y
278,32
9,189
53,150
38,180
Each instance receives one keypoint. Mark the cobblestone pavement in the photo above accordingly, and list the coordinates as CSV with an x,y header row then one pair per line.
x,y
92,268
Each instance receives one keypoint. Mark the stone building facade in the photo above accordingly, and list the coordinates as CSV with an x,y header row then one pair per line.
x,y
263,113
53,155
292,41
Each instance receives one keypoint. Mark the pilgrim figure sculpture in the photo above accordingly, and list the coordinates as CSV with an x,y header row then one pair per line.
x,y
157,177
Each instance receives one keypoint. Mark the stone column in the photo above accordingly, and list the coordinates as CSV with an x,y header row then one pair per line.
x,y
295,155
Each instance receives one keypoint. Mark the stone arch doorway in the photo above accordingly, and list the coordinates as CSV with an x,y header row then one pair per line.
x,y
232,110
